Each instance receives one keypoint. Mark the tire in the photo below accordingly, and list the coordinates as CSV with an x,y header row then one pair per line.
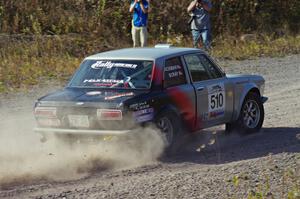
x,y
252,114
170,127
229,127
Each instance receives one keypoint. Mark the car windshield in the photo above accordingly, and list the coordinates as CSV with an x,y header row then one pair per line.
x,y
128,74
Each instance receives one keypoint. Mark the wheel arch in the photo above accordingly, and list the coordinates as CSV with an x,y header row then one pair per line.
x,y
168,108
249,88
174,110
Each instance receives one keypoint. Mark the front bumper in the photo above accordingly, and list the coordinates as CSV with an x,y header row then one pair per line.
x,y
82,131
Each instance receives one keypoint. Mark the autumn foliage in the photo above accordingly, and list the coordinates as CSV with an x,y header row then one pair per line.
x,y
110,18
47,39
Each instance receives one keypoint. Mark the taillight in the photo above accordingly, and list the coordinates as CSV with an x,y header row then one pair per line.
x,y
109,114
47,116
45,112
50,122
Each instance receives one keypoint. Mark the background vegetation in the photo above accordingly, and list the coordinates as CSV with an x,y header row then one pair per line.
x,y
42,38
110,17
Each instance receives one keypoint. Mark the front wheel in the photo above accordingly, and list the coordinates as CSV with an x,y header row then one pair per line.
x,y
252,114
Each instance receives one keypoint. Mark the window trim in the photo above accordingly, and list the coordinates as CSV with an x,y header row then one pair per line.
x,y
216,66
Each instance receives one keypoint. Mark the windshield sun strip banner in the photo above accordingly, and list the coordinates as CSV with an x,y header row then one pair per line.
x,y
110,64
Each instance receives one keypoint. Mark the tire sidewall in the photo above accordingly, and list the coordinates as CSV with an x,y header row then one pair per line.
x,y
177,128
245,129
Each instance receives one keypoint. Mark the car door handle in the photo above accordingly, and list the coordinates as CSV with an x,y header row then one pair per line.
x,y
200,88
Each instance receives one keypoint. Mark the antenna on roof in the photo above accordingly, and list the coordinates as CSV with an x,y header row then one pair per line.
x,y
163,45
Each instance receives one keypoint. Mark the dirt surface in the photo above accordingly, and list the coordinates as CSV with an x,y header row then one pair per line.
x,y
212,165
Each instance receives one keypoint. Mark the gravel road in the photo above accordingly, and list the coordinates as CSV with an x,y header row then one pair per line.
x,y
212,165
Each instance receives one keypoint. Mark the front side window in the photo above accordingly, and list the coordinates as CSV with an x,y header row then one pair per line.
x,y
201,68
196,68
128,74
211,68
174,72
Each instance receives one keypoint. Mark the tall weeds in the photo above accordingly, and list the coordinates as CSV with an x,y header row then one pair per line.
x,y
47,39
105,17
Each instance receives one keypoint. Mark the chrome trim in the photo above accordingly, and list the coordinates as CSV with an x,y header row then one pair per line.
x,y
201,88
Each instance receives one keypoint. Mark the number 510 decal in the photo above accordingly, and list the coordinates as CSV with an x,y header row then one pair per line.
x,y
216,100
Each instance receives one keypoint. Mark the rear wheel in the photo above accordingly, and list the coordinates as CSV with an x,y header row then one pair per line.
x,y
171,130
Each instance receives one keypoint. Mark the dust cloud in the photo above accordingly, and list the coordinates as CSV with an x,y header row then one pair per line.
x,y
24,159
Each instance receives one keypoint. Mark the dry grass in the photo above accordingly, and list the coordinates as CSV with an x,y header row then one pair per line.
x,y
263,46
26,61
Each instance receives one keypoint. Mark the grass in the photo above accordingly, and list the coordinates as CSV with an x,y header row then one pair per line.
x,y
288,186
257,47
26,61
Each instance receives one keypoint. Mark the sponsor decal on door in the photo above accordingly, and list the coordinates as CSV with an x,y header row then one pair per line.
x,y
216,100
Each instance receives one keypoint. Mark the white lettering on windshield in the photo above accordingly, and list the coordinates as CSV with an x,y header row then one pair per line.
x,y
109,64
103,81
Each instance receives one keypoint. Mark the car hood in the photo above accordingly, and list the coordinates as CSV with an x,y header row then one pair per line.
x,y
89,96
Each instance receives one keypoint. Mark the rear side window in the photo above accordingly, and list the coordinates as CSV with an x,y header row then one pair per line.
x,y
174,72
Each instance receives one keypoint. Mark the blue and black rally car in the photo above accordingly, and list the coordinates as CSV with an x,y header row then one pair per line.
x,y
114,92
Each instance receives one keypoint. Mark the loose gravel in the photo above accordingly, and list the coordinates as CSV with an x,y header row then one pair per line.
x,y
212,165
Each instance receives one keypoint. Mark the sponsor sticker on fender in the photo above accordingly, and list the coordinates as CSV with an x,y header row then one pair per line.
x,y
144,115
119,95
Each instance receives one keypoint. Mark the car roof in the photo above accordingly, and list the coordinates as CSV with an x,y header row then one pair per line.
x,y
142,53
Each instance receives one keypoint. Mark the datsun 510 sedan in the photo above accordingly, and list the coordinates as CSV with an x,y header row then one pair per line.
x,y
112,93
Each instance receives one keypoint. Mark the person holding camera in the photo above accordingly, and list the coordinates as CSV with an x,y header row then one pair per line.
x,y
140,9
200,22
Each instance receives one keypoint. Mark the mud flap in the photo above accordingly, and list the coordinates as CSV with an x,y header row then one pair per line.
x,y
264,99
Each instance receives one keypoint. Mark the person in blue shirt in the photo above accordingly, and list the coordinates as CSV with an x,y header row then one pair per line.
x,y
140,9
200,24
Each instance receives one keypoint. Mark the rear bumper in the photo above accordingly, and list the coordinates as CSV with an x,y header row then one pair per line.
x,y
81,131
264,99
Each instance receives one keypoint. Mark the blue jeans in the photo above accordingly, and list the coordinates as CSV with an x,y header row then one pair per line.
x,y
205,35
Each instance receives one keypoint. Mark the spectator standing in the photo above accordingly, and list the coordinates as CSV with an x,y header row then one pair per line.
x,y
140,9
200,22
